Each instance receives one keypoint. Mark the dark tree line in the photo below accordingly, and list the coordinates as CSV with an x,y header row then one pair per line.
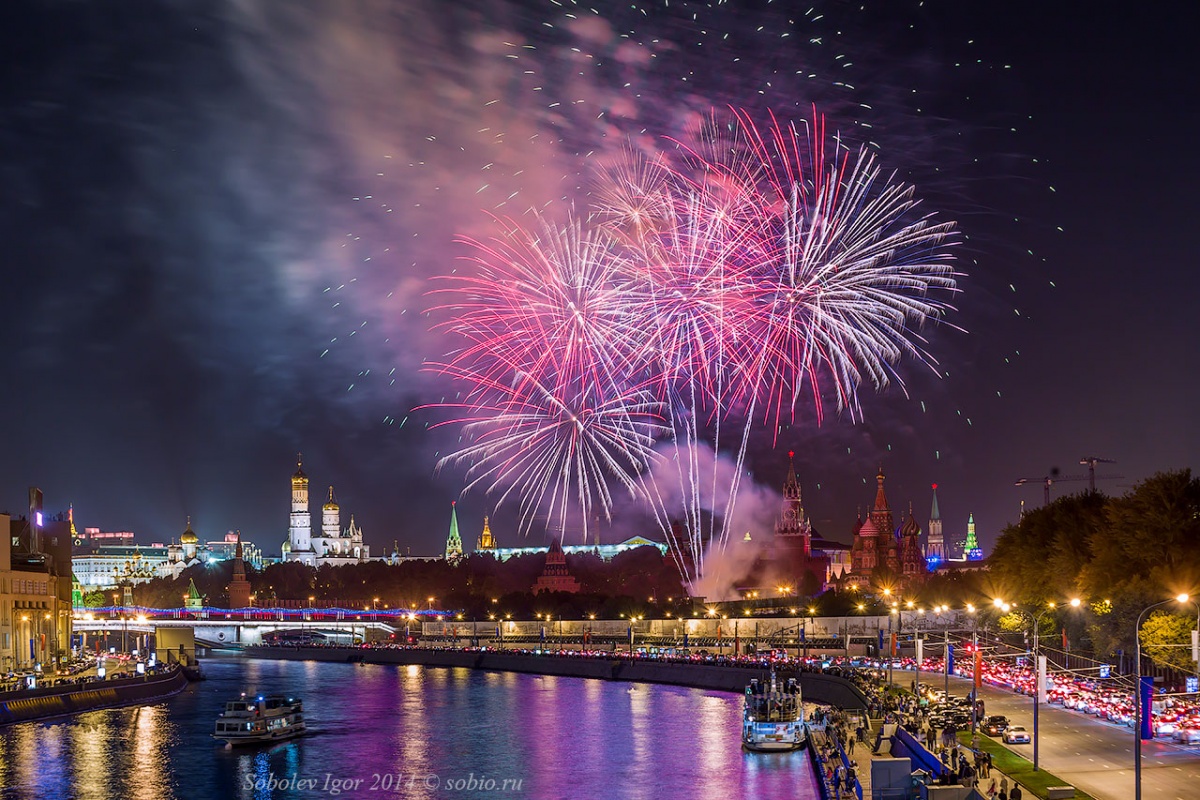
x,y
1118,554
636,581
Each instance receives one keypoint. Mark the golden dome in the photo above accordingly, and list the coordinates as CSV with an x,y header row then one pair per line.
x,y
299,479
188,536
331,504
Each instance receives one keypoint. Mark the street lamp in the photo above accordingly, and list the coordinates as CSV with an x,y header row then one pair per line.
x,y
1137,696
1037,670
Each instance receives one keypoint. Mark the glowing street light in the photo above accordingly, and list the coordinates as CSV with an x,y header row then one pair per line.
x,y
1137,697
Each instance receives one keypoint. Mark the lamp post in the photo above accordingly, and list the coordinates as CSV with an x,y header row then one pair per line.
x,y
1137,696
812,612
1037,671
893,612
917,653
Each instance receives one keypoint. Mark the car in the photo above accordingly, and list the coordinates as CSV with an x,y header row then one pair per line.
x,y
1016,734
995,725
1187,734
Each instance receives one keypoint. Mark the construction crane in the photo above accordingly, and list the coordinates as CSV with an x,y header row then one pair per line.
x,y
1090,462
1054,477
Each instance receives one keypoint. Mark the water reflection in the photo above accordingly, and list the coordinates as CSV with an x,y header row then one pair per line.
x,y
410,732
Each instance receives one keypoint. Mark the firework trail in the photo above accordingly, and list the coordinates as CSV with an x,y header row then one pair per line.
x,y
714,289
554,411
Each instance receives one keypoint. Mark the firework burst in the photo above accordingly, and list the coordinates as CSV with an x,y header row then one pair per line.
x,y
714,289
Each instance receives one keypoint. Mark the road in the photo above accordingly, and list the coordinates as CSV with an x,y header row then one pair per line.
x,y
1089,753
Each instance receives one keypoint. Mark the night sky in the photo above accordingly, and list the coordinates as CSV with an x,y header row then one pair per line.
x,y
220,221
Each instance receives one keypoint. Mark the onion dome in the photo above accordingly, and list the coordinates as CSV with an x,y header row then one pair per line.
x,y
299,479
331,503
188,536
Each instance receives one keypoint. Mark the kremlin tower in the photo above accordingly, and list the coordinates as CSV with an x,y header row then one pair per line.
x,y
793,530
239,587
935,552
454,549
971,549
796,563
555,577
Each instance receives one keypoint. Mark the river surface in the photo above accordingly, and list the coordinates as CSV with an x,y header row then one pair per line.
x,y
407,731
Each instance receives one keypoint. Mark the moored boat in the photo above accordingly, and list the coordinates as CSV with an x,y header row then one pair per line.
x,y
260,719
773,718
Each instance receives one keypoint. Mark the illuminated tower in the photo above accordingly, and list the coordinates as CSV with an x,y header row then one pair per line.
x,y
793,527
971,548
331,518
239,587
935,550
486,542
454,549
300,532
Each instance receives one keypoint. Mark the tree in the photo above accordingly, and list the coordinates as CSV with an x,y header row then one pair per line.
x,y
94,600
1167,638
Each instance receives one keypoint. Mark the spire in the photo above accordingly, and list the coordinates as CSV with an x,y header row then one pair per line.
x,y
485,542
454,548
971,547
881,503
935,514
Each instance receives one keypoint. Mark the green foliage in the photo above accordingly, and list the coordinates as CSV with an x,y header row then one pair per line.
x,y
1167,638
1121,554
94,600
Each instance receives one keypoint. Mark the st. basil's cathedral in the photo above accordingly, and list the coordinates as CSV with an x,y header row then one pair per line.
x,y
880,547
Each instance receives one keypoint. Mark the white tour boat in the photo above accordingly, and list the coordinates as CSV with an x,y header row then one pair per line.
x,y
774,716
259,720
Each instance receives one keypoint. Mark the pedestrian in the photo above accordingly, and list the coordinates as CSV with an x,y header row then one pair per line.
x,y
992,789
1016,792
1004,785
988,761
850,745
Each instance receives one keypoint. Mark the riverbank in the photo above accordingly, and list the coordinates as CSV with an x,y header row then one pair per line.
x,y
816,687
58,701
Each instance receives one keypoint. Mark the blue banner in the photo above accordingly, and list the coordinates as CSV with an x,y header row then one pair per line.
x,y
685,639
1147,686
880,641
949,659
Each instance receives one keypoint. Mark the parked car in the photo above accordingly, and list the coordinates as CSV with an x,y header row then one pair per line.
x,y
995,725
1016,734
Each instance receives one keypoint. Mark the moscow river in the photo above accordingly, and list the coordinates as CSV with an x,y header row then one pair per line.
x,y
407,731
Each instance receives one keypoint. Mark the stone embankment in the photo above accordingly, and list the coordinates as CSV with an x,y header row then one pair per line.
x,y
58,701
816,687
